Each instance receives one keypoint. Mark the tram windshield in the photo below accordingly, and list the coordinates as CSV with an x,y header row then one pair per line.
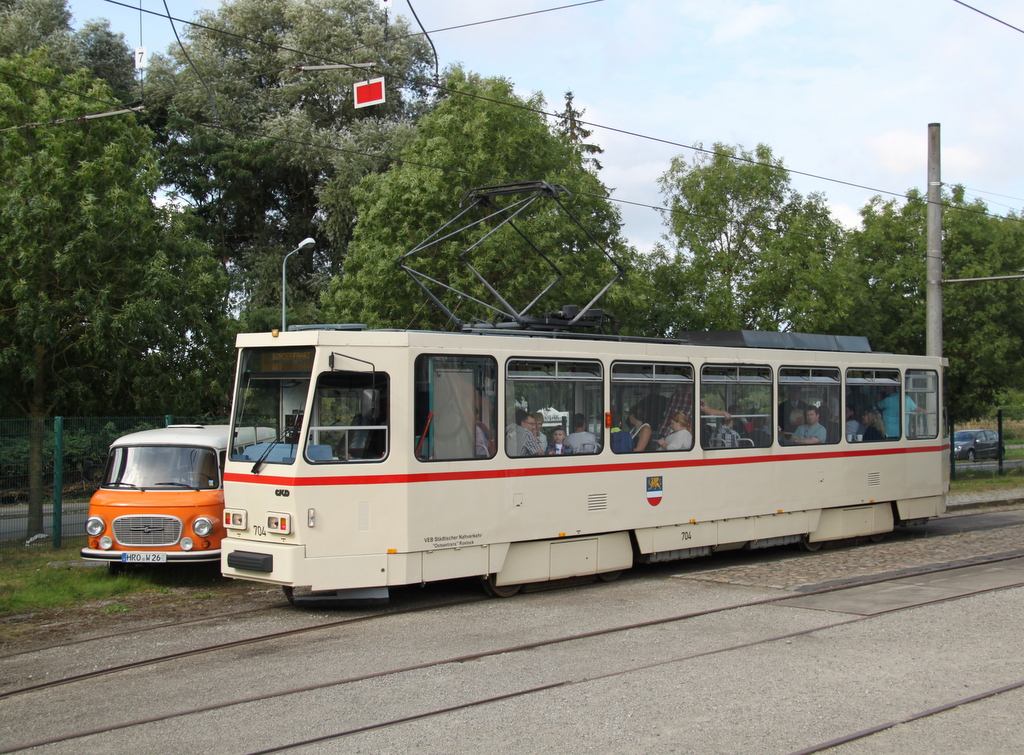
x,y
166,467
272,388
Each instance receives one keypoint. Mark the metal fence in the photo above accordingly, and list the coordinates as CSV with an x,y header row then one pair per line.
x,y
50,468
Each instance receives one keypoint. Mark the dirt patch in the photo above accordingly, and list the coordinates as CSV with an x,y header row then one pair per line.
x,y
134,611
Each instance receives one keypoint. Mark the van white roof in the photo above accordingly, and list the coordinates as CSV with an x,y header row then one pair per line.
x,y
209,436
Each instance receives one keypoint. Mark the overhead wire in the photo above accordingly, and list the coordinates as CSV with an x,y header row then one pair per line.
x,y
612,129
988,15
528,108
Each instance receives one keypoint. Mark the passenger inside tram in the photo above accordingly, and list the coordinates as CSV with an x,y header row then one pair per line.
x,y
812,431
874,427
640,430
679,438
520,438
580,439
558,445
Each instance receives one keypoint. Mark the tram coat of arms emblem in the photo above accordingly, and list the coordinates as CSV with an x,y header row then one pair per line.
x,y
654,490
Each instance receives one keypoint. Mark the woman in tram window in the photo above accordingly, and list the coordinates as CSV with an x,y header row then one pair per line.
x,y
680,439
874,427
640,431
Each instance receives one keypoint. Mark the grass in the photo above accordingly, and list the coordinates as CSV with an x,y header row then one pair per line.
x,y
42,578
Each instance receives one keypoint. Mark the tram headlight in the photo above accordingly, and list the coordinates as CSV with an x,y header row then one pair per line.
x,y
186,543
202,526
95,526
106,542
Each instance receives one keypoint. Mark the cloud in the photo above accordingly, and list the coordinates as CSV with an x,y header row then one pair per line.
x,y
748,22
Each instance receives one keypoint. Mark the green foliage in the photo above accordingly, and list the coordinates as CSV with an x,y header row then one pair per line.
x,y
481,141
236,148
104,297
747,251
28,25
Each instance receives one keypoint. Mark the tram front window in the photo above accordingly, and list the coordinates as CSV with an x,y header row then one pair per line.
x,y
269,401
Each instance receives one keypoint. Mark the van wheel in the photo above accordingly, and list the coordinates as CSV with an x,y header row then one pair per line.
x,y
498,591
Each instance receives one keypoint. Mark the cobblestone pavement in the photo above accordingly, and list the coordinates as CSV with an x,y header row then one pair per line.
x,y
849,561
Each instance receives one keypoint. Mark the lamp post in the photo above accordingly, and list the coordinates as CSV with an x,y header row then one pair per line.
x,y
304,244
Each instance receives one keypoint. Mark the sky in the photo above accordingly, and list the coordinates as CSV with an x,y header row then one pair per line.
x,y
840,90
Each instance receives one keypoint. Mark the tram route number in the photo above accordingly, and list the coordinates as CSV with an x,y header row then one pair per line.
x,y
687,535
452,541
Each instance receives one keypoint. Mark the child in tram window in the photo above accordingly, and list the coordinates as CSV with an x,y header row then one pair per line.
x,y
558,446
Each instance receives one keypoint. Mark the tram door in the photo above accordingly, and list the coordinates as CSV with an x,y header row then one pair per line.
x,y
452,428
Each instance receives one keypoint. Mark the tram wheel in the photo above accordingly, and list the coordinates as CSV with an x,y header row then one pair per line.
x,y
498,591
807,545
877,537
609,576
289,594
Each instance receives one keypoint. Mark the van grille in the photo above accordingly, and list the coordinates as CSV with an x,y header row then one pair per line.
x,y
147,530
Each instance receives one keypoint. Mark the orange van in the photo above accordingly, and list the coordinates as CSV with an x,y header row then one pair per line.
x,y
161,499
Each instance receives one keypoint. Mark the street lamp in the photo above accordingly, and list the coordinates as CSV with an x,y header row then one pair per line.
x,y
304,244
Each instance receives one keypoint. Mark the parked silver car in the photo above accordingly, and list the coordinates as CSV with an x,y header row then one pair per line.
x,y
976,444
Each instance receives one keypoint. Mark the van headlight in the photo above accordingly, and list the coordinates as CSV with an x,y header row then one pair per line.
x,y
95,526
202,526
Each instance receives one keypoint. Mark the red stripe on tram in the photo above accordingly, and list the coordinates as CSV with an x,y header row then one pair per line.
x,y
490,474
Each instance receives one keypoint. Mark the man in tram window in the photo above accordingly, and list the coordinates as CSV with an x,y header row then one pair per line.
x,y
519,439
812,431
889,407
794,402
580,439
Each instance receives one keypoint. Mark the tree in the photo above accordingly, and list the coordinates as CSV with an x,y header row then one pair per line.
x,y
982,333
572,129
27,25
102,295
481,134
746,250
248,139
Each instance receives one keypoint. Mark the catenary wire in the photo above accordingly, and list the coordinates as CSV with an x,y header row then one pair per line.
x,y
987,15
537,111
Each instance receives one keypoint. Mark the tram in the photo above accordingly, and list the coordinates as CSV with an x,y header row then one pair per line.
x,y
404,457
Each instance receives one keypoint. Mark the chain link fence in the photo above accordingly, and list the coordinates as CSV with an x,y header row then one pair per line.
x,y
51,467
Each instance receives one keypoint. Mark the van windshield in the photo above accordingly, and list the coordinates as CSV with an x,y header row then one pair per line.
x,y
164,467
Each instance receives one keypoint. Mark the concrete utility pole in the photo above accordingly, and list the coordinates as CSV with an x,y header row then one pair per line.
x,y
933,295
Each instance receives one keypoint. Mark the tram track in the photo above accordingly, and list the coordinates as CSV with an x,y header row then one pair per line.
x,y
393,672
288,633
273,636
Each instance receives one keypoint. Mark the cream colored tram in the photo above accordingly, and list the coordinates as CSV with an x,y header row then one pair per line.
x,y
401,457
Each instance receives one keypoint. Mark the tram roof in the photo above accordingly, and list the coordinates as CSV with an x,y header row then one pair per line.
x,y
750,339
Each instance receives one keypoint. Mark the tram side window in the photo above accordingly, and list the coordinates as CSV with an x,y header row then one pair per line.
x,y
874,397
809,408
456,411
744,393
652,404
543,396
350,418
923,391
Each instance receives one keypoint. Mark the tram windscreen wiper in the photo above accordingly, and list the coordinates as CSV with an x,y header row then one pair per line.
x,y
266,452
